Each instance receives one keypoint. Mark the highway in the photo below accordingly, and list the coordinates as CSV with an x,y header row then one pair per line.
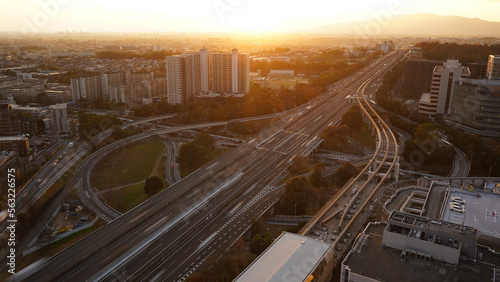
x,y
347,211
172,173
46,177
147,240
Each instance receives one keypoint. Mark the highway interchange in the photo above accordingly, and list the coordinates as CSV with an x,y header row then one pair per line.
x,y
171,234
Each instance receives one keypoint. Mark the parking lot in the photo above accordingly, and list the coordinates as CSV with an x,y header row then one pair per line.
x,y
480,212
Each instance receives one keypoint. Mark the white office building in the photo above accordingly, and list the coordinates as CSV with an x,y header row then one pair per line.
x,y
436,103
59,118
493,69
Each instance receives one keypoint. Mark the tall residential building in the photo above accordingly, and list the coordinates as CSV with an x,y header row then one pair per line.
x,y
111,79
192,75
183,77
221,69
59,115
205,74
230,72
88,88
475,106
136,77
243,73
436,103
156,87
493,69
131,93
175,85
234,71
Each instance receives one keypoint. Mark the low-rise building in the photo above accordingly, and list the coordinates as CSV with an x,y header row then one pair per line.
x,y
415,248
18,144
290,257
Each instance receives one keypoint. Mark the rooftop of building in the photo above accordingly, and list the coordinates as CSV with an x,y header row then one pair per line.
x,y
480,82
425,98
374,260
286,253
433,225
12,138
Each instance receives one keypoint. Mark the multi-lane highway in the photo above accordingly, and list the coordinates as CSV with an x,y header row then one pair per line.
x,y
348,210
170,234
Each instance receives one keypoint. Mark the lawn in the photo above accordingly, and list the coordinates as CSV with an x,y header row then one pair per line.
x,y
126,198
127,165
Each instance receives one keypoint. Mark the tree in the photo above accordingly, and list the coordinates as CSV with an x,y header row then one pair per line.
x,y
259,243
191,156
205,140
316,177
353,118
153,185
344,173
298,193
299,166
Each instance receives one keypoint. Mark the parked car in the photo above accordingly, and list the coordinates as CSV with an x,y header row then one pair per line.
x,y
458,200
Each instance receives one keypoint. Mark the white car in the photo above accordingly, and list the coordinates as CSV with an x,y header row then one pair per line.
x,y
456,205
461,210
458,200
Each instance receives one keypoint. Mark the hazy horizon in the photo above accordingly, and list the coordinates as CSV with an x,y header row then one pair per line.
x,y
218,16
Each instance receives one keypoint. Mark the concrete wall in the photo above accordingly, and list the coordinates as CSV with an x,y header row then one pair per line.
x,y
436,251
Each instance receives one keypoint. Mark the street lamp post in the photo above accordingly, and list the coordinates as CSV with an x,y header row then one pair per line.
x,y
295,210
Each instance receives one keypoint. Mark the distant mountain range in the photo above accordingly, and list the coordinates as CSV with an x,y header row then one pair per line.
x,y
415,25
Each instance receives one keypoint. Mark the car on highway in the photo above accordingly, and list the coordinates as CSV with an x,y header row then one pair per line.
x,y
315,233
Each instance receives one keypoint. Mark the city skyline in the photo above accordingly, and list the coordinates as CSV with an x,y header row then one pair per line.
x,y
219,15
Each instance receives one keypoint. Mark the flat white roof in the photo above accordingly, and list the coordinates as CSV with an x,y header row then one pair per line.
x,y
425,98
290,257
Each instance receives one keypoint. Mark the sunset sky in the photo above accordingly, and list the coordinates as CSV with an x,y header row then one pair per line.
x,y
218,15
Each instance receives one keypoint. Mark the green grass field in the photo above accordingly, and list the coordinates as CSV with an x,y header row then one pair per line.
x,y
127,165
126,198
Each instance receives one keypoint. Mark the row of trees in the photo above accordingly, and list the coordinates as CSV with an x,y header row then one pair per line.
x,y
223,267
91,125
306,195
130,55
466,53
